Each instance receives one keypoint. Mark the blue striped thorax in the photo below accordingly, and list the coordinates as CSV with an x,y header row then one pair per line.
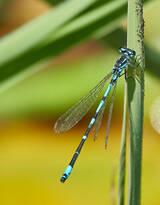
x,y
122,62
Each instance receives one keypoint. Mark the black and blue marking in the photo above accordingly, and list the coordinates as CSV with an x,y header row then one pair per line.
x,y
120,65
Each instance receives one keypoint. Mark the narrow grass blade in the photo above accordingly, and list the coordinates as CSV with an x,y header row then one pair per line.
x,y
135,40
122,164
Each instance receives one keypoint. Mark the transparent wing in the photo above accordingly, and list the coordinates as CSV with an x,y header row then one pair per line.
x,y
98,121
110,115
77,112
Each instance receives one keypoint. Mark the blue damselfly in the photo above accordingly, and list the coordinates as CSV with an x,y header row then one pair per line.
x,y
75,113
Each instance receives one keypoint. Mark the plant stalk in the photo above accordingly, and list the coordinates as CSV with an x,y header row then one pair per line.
x,y
122,166
135,41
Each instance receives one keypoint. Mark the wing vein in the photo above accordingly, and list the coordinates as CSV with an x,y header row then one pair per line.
x,y
72,116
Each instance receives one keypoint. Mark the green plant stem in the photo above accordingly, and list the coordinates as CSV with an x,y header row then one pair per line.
x,y
123,152
135,40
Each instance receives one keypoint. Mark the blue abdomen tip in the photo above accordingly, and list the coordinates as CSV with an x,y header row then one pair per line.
x,y
66,173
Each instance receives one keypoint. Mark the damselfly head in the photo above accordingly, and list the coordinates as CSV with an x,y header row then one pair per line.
x,y
127,52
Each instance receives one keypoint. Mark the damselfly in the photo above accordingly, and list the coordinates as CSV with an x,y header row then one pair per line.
x,y
75,113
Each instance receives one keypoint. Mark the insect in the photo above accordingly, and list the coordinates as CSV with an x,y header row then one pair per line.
x,y
77,112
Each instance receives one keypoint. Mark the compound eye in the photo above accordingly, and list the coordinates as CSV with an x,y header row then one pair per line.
x,y
132,54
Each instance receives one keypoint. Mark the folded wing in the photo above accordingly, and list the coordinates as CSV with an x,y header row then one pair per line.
x,y
72,116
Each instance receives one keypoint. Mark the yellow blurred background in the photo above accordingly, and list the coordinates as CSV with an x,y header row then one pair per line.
x,y
33,157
